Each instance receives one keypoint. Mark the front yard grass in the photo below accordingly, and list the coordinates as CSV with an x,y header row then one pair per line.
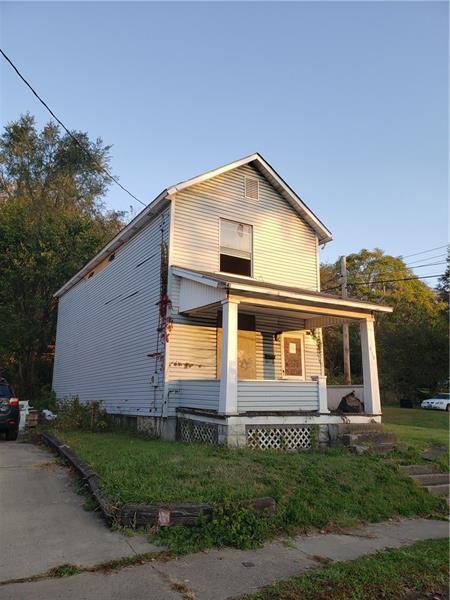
x,y
323,489
409,572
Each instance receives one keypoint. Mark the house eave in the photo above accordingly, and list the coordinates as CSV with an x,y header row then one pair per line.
x,y
245,288
139,221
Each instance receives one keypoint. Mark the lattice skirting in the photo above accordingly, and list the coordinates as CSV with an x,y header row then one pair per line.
x,y
283,437
197,431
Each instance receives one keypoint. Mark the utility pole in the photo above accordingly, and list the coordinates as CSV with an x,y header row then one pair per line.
x,y
345,333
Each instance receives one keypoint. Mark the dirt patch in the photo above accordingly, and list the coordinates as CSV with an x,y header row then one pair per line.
x,y
50,465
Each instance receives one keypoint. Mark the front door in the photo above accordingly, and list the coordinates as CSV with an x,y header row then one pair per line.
x,y
292,352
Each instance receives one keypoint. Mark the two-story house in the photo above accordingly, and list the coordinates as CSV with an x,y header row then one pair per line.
x,y
202,319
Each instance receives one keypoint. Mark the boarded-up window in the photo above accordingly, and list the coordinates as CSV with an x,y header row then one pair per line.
x,y
236,242
246,346
293,356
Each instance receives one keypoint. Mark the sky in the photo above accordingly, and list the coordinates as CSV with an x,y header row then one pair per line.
x,y
347,100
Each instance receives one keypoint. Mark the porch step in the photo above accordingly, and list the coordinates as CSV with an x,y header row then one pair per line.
x,y
419,469
344,428
383,448
439,490
432,479
378,448
371,438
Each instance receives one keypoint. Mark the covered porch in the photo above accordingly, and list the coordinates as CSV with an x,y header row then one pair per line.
x,y
293,395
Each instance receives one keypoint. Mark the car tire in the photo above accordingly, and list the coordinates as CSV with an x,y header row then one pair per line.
x,y
11,435
448,408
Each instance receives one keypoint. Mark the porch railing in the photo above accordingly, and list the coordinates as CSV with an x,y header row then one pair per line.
x,y
193,393
252,396
266,395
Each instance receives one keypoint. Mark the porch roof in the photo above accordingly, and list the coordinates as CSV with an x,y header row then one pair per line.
x,y
207,288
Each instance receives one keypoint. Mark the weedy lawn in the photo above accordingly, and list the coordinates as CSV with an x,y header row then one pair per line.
x,y
326,489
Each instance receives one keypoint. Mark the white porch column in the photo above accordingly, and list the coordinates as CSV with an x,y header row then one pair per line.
x,y
229,366
372,404
323,398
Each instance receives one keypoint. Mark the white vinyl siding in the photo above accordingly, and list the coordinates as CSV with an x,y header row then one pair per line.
x,y
107,327
284,245
277,395
252,395
202,394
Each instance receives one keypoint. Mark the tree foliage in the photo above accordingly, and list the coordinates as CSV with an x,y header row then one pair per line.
x,y
52,221
412,342
443,286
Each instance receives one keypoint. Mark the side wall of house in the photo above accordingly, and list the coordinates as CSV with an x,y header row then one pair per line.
x,y
107,327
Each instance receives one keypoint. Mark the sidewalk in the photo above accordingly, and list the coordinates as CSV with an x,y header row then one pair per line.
x,y
221,574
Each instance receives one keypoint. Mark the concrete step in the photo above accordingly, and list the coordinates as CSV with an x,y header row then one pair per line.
x,y
419,469
439,490
379,448
358,427
383,448
432,479
368,437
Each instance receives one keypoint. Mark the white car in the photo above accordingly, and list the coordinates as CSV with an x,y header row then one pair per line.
x,y
438,402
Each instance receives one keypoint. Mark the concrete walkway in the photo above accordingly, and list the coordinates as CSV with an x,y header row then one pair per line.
x,y
221,574
42,522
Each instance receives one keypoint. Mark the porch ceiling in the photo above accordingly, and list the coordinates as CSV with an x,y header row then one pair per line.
x,y
202,292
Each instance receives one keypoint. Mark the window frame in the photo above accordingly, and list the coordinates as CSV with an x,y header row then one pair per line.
x,y
220,219
301,337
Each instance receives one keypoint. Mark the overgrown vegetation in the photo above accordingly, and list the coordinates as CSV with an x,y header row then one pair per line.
x,y
233,525
75,415
407,572
412,342
52,221
326,489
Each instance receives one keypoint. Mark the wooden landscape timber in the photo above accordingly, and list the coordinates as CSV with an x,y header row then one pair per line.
x,y
136,515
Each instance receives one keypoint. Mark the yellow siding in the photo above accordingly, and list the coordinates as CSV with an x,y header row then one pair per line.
x,y
193,349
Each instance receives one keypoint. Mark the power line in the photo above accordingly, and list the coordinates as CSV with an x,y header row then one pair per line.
x,y
385,281
423,251
402,279
426,258
75,139
443,262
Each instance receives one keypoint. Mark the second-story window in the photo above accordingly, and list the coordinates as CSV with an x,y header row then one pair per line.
x,y
236,243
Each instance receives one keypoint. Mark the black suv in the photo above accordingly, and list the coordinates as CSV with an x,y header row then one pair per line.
x,y
9,411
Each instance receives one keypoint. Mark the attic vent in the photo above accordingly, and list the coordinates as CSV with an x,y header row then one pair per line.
x,y
251,188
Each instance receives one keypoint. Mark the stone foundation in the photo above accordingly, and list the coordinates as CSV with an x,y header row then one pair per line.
x,y
271,431
154,427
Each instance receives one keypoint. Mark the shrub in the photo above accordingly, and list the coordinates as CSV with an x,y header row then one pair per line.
x,y
46,398
73,414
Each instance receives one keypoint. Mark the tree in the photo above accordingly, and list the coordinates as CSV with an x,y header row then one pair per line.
x,y
52,221
443,286
412,342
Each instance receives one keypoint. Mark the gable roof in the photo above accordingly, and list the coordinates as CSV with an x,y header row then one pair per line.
x,y
257,161
154,207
